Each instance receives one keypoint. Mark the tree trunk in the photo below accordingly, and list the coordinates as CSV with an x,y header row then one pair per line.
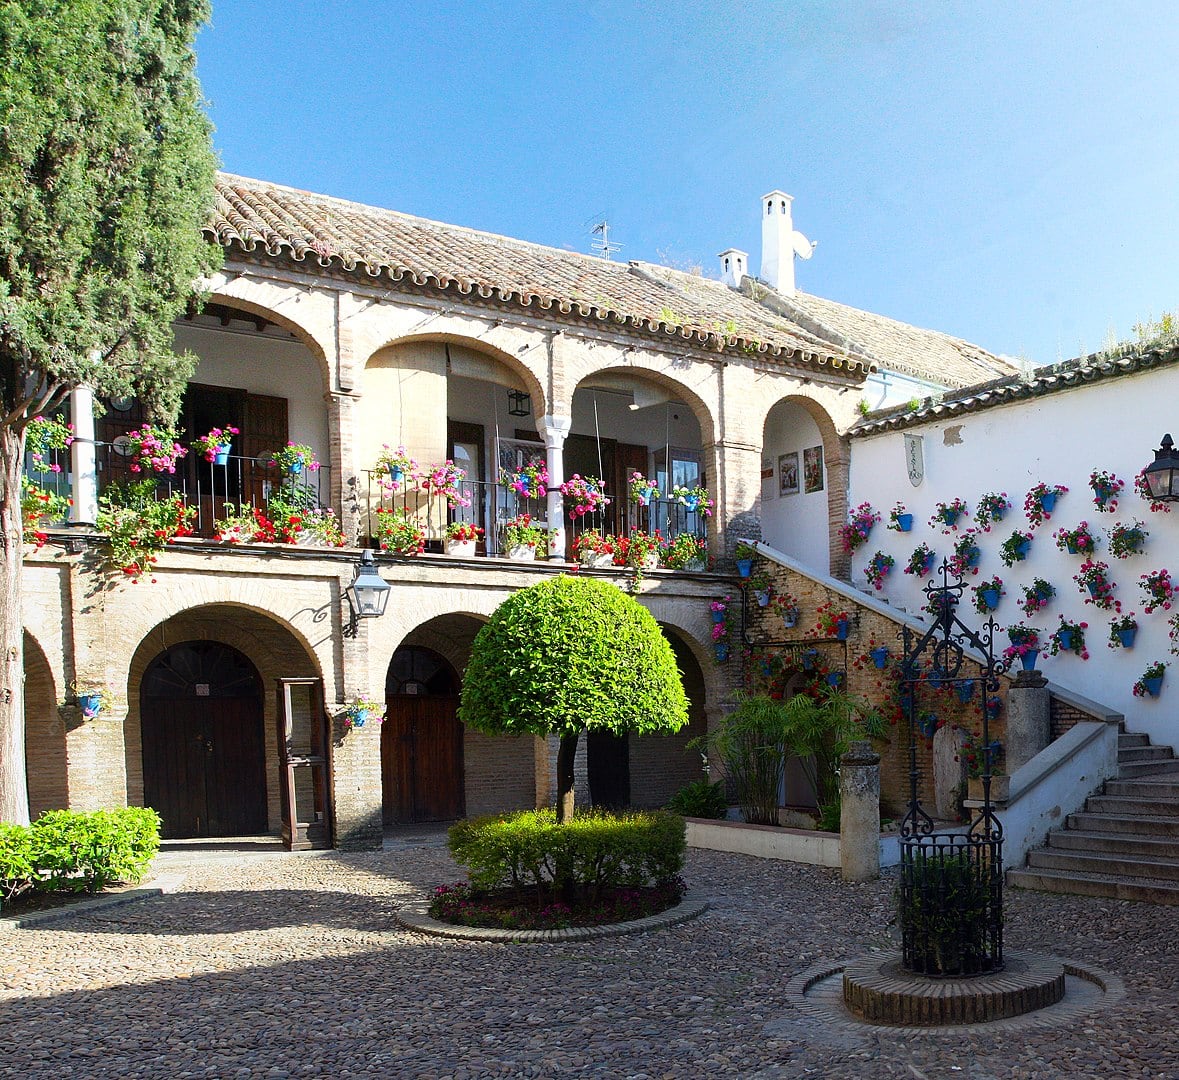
x,y
14,792
565,755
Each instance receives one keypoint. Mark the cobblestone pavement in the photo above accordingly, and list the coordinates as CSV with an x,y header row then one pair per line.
x,y
282,965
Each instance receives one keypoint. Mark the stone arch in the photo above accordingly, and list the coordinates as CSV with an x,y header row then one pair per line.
x,y
835,462
273,647
46,761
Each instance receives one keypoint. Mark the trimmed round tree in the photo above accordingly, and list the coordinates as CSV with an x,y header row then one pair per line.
x,y
566,655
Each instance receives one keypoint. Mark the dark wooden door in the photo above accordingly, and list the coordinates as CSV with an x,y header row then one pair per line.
x,y
204,761
422,760
607,764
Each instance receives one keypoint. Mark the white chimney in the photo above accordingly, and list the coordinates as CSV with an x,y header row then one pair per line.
x,y
780,242
734,266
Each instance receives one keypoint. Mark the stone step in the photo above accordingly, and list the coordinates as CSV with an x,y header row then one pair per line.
x,y
1127,739
1133,754
1127,805
1062,881
1113,823
1147,768
1165,788
1095,863
1124,844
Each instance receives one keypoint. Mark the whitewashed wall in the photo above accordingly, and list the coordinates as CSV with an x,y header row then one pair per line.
x,y
794,524
1114,425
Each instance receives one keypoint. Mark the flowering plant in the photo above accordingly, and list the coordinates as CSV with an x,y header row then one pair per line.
x,y
43,435
398,531
294,458
1127,540
1039,503
521,532
831,619
463,532
445,480
1094,576
641,548
1074,634
1036,596
37,502
995,584
1105,490
208,445
139,526
1078,541
101,697
586,494
1158,590
878,569
858,526
684,550
784,603
1153,671
945,515
293,524
977,755
921,561
397,467
1143,490
720,606
895,515
966,554
1024,640
530,481
642,490
359,710
991,507
242,524
1015,548
592,542
153,449
720,623
695,499
1117,627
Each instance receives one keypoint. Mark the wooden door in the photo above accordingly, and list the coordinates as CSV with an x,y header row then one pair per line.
x,y
264,430
422,760
607,763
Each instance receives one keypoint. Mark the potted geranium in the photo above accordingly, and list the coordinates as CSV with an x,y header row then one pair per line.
x,y
1158,589
152,449
945,515
586,493
1094,577
1105,490
720,629
40,506
461,538
295,458
859,524
215,445
899,519
1025,646
878,568
398,469
524,540
744,554
920,561
786,607
693,499
1015,548
1036,596
591,548
986,595
832,622
762,587
1127,540
530,481
1151,680
237,525
1039,503
642,551
397,530
316,527
92,698
139,525
1078,541
686,551
45,436
361,710
966,554
991,507
642,489
445,480
1122,632
1069,636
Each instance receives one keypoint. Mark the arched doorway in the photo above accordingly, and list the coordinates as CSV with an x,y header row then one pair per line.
x,y
422,740
204,760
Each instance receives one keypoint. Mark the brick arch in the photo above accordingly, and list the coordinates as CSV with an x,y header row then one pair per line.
x,y
641,371
45,736
274,647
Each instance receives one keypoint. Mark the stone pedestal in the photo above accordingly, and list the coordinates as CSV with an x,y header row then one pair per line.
x,y
1029,725
859,818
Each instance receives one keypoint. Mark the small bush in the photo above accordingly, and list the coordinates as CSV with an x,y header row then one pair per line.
x,y
64,851
700,799
584,857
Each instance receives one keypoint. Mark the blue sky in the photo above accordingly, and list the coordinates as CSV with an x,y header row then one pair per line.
x,y
1005,172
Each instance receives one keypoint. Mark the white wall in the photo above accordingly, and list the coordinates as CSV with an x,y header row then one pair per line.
x,y
794,524
1114,425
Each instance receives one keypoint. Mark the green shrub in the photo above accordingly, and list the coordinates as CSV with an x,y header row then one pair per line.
x,y
64,851
590,853
944,917
700,799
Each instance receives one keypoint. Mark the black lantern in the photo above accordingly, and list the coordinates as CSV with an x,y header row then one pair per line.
x,y
1162,474
369,592
519,403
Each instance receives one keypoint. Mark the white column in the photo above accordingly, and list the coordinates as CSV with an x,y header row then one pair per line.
x,y
84,480
556,430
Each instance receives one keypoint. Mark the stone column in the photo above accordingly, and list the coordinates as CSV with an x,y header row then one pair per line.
x,y
85,472
1029,723
859,818
556,429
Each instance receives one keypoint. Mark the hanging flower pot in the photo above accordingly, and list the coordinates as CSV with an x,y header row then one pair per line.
x,y
904,522
841,628
879,656
221,454
1126,637
396,473
966,691
1028,659
809,659
834,678
745,567
1153,685
1048,501
790,617
763,597
990,597
1065,637
91,705
721,649
718,616
937,678
950,517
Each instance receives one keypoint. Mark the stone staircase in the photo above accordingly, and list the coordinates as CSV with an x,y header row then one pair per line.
x,y
1125,843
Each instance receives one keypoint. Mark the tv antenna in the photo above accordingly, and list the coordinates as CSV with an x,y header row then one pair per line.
x,y
605,246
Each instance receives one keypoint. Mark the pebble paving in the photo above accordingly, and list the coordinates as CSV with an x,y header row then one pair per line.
x,y
278,965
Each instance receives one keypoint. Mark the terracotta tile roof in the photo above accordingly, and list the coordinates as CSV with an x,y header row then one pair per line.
x,y
1046,380
282,221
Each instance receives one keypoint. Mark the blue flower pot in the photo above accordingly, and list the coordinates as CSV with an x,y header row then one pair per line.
x,y
645,495
295,468
1065,637
973,557
1028,660
396,473
718,616
691,503
841,628
834,678
1153,686
809,657
1093,588
905,522
790,618
937,678
990,597
1048,502
966,691
1071,547
91,704
950,517
745,567
763,598
1022,549
358,716
721,649
221,455
999,514
1126,637
879,656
